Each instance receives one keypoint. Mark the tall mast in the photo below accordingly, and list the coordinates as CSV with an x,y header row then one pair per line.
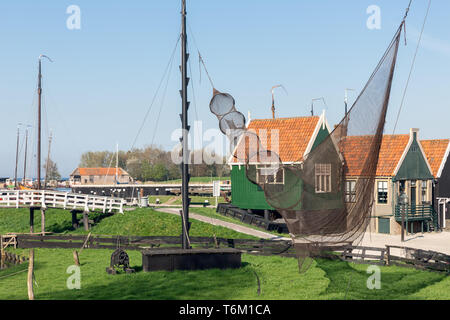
x,y
117,161
48,160
39,128
39,122
185,127
25,159
17,157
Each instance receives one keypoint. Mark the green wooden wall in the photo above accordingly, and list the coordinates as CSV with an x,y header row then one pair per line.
x,y
414,166
247,195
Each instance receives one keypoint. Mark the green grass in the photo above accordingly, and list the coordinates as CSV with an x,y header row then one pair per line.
x,y
140,222
279,276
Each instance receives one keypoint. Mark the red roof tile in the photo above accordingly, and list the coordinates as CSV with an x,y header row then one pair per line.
x,y
355,149
435,153
291,134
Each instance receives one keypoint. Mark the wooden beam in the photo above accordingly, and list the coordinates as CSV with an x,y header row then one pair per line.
x,y
30,275
43,221
86,220
31,220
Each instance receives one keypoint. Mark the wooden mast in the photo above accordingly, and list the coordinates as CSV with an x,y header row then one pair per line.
x,y
185,129
17,157
25,158
39,122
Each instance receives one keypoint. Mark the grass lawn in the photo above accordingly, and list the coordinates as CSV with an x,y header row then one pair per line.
x,y
140,222
279,276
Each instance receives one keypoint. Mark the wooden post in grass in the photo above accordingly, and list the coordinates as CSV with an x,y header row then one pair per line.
x,y
86,220
31,220
43,221
76,257
30,275
74,219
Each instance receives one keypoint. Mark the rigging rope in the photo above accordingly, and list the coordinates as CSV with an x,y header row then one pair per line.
x,y
156,93
412,65
200,58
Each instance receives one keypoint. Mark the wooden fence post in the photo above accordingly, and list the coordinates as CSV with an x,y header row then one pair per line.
x,y
43,221
31,220
30,275
76,257
388,253
86,220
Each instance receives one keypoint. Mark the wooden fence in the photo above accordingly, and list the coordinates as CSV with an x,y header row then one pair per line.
x,y
60,200
389,255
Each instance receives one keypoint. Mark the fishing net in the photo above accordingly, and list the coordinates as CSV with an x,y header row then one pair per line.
x,y
322,202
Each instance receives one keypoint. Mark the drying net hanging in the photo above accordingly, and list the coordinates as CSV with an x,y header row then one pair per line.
x,y
322,202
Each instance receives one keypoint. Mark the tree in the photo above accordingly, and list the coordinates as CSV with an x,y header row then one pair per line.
x,y
52,173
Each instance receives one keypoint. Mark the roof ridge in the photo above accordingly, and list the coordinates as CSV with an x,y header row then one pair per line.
x,y
285,118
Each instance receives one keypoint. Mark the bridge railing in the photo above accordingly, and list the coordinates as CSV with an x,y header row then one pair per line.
x,y
58,199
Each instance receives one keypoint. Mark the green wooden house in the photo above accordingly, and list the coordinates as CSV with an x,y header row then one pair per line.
x,y
294,137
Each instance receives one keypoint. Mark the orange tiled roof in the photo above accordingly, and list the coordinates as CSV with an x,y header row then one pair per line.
x,y
294,135
435,153
100,171
355,149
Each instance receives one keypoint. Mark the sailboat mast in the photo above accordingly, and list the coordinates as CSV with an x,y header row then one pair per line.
x,y
185,127
17,158
25,159
48,160
117,162
39,122
39,128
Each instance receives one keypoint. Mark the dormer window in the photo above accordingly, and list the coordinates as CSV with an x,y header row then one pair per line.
x,y
323,177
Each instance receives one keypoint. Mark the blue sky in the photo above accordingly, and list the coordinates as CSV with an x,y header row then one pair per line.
x,y
105,75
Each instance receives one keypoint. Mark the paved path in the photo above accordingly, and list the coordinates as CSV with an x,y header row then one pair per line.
x,y
439,242
229,225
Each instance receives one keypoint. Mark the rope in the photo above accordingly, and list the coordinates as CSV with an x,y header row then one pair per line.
x,y
12,274
157,90
162,102
200,59
412,64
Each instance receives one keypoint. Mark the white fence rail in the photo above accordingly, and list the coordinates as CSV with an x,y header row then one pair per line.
x,y
60,200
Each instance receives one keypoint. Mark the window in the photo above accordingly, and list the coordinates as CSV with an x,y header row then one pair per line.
x,y
91,179
382,192
350,192
323,177
424,191
268,173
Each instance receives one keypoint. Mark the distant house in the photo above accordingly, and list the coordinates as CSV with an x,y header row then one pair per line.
x,y
437,152
402,167
99,176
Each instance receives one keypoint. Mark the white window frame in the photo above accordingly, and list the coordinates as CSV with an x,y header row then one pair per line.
x,y
350,193
322,177
422,197
268,167
383,188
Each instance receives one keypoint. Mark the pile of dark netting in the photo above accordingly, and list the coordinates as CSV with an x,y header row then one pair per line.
x,y
312,198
